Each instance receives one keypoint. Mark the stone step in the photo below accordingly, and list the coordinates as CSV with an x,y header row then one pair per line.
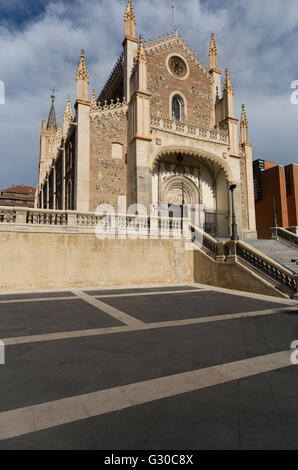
x,y
282,254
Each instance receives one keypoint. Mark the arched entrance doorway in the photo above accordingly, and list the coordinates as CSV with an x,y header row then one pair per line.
x,y
178,191
186,178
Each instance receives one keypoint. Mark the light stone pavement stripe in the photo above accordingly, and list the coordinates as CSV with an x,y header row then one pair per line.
x,y
56,413
142,293
43,299
248,295
103,296
144,326
113,312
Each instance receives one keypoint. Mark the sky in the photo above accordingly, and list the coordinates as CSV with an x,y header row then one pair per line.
x,y
40,43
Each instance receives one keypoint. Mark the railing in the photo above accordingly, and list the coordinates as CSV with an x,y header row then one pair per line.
x,y
286,280
202,239
215,135
282,234
233,251
7,215
14,218
45,218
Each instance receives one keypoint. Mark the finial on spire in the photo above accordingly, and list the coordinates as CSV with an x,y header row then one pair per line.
x,y
141,55
213,57
129,21
52,123
243,116
68,117
228,84
53,96
243,127
82,79
82,68
93,101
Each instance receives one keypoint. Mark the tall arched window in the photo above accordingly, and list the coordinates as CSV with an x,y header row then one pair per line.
x,y
177,108
69,196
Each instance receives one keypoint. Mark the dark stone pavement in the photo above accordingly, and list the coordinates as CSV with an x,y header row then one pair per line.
x,y
259,412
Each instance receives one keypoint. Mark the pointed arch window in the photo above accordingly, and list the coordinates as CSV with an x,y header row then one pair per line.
x,y
177,108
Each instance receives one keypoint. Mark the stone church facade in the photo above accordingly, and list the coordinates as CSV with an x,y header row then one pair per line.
x,y
162,131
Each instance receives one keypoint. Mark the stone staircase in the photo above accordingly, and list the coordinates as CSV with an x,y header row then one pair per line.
x,y
281,253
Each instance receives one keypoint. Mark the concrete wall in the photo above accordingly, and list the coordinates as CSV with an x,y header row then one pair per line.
x,y
230,276
45,260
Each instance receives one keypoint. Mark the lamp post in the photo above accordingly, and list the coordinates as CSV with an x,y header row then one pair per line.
x,y
275,224
234,222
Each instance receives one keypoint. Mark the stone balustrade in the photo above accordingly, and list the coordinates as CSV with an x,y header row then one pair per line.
x,y
36,220
87,222
279,233
181,128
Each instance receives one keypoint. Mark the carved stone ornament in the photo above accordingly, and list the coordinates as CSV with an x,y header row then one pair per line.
x,y
178,66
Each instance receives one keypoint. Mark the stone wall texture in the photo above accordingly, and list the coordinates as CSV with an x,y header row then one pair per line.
x,y
107,174
196,89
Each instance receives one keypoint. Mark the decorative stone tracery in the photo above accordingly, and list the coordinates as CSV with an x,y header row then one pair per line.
x,y
212,160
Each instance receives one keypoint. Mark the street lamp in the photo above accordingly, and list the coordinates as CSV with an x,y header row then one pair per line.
x,y
275,224
234,222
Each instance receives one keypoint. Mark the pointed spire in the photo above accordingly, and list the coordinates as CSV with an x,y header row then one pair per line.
x,y
52,123
243,127
93,101
68,109
68,117
82,72
129,21
213,57
82,79
59,134
243,116
228,84
141,55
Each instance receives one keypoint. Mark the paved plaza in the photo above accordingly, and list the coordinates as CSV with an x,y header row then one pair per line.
x,y
153,367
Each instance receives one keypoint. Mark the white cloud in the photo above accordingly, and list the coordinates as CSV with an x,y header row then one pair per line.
x,y
255,39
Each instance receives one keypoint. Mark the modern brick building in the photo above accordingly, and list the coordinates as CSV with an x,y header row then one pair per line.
x,y
275,185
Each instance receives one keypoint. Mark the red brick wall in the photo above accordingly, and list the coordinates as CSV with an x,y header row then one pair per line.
x,y
273,185
292,199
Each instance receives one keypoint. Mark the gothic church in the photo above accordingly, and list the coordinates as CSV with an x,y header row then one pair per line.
x,y
162,131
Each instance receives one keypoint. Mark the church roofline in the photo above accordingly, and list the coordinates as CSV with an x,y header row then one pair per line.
x,y
152,46
116,71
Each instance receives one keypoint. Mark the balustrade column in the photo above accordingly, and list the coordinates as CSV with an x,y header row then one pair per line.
x,y
21,216
220,258
232,256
